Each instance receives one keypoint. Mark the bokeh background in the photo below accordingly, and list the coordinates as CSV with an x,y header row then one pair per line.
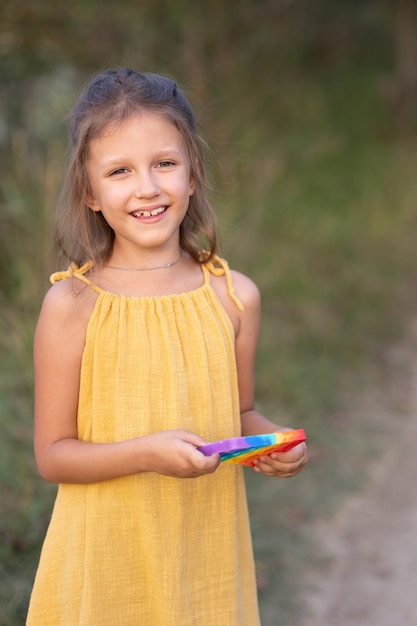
x,y
310,112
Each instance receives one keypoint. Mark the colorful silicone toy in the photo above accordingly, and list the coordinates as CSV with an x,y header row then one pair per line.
x,y
245,450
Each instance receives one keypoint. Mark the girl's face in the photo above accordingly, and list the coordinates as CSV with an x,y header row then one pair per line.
x,y
139,177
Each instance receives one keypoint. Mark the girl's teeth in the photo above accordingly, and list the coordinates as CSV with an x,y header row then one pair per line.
x,y
161,209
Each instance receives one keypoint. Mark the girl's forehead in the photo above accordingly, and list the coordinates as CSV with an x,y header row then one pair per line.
x,y
146,132
141,121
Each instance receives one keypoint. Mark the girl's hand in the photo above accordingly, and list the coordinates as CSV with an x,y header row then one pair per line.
x,y
283,464
174,453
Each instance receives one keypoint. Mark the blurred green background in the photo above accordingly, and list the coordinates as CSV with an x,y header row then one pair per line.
x,y
310,108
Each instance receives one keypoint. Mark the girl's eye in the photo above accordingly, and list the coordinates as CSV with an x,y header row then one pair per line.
x,y
165,164
120,170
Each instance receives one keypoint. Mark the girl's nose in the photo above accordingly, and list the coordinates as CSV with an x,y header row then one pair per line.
x,y
146,185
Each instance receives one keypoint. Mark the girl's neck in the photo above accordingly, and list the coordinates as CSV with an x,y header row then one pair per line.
x,y
128,259
148,268
180,277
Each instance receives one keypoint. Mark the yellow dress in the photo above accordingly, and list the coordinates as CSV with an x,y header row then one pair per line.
x,y
150,550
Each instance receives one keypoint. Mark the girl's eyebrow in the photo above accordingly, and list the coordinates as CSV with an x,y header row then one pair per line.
x,y
167,151
111,164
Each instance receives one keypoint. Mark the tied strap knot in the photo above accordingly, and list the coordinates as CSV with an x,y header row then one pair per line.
x,y
72,272
220,267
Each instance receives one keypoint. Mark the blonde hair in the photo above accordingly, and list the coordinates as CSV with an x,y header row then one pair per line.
x,y
111,97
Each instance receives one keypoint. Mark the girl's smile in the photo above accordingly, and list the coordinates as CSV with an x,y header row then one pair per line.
x,y
140,170
150,212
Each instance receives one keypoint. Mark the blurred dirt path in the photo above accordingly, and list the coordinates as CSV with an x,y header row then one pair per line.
x,y
371,545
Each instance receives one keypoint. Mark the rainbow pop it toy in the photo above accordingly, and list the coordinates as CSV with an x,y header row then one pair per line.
x,y
245,450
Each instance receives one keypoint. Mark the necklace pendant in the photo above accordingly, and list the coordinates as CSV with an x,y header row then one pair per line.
x,y
165,266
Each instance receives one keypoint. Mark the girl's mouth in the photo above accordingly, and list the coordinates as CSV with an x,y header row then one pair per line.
x,y
152,213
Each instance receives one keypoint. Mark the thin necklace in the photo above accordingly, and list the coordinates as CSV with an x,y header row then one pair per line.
x,y
146,269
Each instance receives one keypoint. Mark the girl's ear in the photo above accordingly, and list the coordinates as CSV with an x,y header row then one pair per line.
x,y
91,202
191,186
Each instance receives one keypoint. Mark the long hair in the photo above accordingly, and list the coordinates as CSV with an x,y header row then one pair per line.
x,y
110,98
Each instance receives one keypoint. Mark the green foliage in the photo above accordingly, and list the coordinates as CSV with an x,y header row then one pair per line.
x,y
25,500
316,197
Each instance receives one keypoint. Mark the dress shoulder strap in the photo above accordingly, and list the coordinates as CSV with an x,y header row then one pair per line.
x,y
220,267
76,272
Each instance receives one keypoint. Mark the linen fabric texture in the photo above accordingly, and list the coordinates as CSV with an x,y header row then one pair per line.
x,y
149,549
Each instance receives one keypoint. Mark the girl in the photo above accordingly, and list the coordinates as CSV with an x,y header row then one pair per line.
x,y
144,351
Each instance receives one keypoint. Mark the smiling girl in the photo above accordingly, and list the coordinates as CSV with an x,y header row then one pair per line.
x,y
144,351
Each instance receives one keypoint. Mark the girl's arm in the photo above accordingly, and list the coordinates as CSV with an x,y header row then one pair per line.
x,y
60,456
282,464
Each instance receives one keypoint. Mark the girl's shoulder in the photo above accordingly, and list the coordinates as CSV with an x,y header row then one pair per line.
x,y
68,302
246,289
246,292
62,324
